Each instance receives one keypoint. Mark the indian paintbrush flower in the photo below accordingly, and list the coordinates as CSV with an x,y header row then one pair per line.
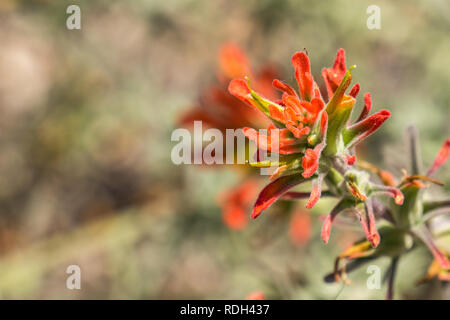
x,y
236,201
217,109
316,141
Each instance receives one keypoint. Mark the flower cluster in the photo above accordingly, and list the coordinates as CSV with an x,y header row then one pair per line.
x,y
217,109
315,140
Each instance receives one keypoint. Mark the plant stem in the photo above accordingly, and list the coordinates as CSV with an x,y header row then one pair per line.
x,y
391,279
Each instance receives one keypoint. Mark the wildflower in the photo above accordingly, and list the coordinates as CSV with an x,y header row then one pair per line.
x,y
441,158
236,202
435,270
216,108
316,140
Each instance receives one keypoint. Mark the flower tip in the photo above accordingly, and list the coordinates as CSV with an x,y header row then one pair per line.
x,y
256,212
374,240
447,143
384,114
339,63
300,60
286,89
316,192
446,264
310,162
380,118
311,202
387,178
307,174
341,52
238,88
441,157
299,56
351,160
355,90
399,198
441,259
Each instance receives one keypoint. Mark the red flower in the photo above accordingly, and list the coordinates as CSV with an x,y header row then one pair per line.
x,y
441,158
233,62
304,127
273,191
216,108
436,270
300,228
236,202
333,76
297,115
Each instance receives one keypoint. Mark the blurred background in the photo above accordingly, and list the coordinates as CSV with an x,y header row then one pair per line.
x,y
86,120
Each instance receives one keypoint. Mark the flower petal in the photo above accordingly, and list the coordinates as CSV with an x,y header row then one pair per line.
x,y
298,133
441,157
368,224
283,87
240,89
275,113
233,62
367,106
355,90
350,159
276,141
274,190
316,191
388,191
302,66
333,76
310,161
361,130
294,195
